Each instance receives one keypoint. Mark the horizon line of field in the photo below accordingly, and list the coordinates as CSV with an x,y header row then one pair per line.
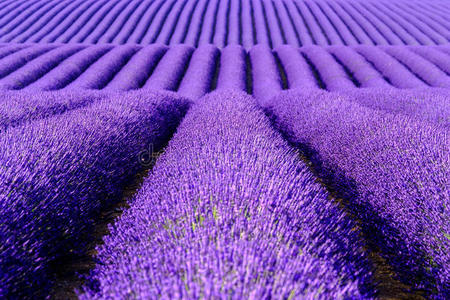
x,y
195,72
198,22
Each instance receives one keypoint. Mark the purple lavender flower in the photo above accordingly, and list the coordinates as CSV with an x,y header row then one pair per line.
x,y
18,107
58,173
230,211
251,22
391,167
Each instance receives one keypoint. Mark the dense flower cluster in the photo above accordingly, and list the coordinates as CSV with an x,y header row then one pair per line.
x,y
431,104
22,107
230,209
56,173
392,168
89,89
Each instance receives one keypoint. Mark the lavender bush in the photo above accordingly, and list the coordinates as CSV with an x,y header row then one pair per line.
x,y
200,72
18,59
331,73
441,60
266,81
391,168
430,104
107,66
397,74
70,69
232,69
364,73
419,66
138,69
36,68
22,107
298,72
57,173
170,70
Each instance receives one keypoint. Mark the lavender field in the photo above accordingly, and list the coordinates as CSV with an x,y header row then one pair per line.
x,y
224,149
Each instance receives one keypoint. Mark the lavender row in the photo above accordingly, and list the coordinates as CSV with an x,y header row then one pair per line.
x,y
42,30
268,22
171,68
70,69
36,68
361,69
200,74
266,80
102,71
138,69
21,13
230,211
59,172
411,22
73,24
84,30
366,25
433,55
390,68
132,29
429,104
331,73
424,70
261,70
207,19
18,107
232,69
39,21
388,27
390,164
18,59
